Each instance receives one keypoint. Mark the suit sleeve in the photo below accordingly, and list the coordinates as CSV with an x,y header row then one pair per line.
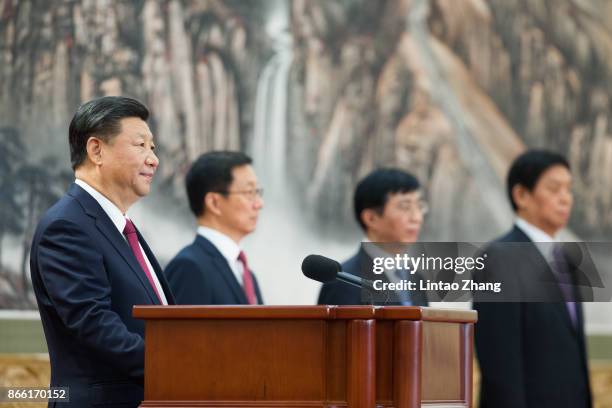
x,y
188,282
498,336
75,279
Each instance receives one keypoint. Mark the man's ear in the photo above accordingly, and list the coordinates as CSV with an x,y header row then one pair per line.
x,y
369,216
94,150
211,203
520,195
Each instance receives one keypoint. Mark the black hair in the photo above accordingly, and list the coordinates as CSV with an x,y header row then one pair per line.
x,y
100,117
527,169
211,172
373,190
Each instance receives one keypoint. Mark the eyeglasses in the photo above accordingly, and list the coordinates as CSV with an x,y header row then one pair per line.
x,y
251,193
412,207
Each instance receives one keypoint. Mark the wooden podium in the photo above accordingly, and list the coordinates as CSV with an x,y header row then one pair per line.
x,y
307,356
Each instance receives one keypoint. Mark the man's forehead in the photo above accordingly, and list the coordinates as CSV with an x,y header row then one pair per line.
x,y
244,174
146,135
557,179
243,169
557,174
136,127
406,196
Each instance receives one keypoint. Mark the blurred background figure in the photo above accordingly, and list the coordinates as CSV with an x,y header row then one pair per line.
x,y
319,93
390,210
225,198
533,354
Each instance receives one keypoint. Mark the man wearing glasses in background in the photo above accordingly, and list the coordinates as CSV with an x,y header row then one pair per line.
x,y
389,208
224,197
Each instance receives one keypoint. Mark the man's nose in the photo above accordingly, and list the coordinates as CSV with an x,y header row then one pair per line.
x,y
152,160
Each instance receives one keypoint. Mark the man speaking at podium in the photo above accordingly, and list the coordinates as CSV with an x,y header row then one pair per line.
x,y
90,265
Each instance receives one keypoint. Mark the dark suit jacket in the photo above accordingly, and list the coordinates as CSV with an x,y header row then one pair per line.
x,y
530,354
340,293
86,281
200,275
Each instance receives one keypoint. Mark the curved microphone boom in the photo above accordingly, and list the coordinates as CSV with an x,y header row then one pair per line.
x,y
323,269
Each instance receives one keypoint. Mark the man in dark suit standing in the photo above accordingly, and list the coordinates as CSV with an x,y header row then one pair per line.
x,y
389,208
90,265
226,200
533,354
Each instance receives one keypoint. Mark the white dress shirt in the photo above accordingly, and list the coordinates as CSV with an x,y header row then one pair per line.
x,y
228,248
118,218
541,239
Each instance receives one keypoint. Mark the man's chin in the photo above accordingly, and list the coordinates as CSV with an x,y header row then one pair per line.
x,y
561,222
143,191
410,238
408,241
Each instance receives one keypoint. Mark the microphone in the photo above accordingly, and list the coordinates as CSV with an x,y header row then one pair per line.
x,y
322,269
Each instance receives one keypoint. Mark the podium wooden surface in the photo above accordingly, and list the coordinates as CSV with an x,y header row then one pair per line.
x,y
307,356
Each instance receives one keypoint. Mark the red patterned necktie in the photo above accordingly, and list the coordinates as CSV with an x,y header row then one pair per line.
x,y
247,280
130,233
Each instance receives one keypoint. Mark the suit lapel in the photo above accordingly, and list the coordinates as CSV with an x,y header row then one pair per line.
x,y
108,229
157,269
580,328
537,259
230,279
223,268
257,290
553,289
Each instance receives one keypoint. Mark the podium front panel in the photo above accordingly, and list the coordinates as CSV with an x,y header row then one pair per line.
x,y
306,357
238,360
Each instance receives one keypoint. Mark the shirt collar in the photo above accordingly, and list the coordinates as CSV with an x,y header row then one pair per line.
x,y
534,233
227,246
541,239
113,212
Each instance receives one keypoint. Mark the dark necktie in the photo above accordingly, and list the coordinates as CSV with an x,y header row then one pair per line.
x,y
403,296
130,233
561,270
247,280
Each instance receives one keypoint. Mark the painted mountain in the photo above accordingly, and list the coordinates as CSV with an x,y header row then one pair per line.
x,y
319,92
